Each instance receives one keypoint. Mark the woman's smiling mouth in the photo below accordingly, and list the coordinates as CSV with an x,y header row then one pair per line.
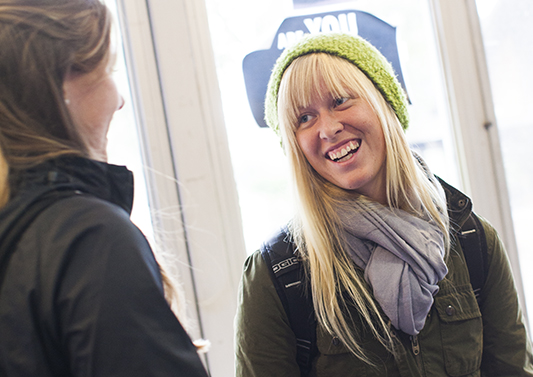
x,y
344,153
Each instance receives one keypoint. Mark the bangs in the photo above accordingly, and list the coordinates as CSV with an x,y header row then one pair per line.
x,y
313,77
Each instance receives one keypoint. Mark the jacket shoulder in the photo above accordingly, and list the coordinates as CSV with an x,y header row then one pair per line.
x,y
88,210
279,246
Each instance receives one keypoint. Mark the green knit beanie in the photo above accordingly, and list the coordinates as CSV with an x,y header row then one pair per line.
x,y
352,48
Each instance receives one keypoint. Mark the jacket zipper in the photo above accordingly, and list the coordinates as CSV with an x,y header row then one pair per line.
x,y
415,345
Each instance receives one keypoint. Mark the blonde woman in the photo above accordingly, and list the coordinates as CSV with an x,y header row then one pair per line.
x,y
376,237
80,291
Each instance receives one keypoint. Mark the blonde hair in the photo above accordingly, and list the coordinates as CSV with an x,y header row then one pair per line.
x,y
316,227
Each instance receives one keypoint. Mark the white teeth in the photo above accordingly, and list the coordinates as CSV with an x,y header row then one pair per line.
x,y
344,151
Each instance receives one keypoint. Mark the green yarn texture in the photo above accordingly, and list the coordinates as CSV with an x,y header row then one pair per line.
x,y
352,48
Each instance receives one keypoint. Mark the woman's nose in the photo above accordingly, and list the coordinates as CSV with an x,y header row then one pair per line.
x,y
121,102
329,127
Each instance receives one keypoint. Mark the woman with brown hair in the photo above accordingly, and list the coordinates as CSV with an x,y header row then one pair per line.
x,y
81,293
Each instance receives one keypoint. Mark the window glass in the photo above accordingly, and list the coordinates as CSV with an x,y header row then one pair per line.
x,y
507,29
239,27
123,139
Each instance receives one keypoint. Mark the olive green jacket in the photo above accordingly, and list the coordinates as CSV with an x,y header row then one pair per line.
x,y
459,337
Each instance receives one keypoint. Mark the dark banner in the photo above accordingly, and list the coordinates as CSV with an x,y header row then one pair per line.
x,y
258,64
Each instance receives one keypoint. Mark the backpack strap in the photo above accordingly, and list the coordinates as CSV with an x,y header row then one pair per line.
x,y
289,278
474,244
30,211
471,236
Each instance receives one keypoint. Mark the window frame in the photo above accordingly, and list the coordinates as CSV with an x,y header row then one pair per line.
x,y
473,119
193,197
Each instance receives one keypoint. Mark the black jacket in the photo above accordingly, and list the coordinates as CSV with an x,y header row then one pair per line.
x,y
82,294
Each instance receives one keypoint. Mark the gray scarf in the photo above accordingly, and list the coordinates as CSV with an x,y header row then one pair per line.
x,y
402,256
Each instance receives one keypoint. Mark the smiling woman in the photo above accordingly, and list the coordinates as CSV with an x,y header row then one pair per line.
x,y
340,105
338,122
373,236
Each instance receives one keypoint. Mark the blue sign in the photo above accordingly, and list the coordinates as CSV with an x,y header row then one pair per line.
x,y
258,65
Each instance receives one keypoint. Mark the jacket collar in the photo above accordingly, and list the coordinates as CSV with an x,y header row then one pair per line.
x,y
459,205
108,182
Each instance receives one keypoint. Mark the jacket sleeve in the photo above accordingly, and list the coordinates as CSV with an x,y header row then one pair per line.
x,y
265,343
506,345
111,315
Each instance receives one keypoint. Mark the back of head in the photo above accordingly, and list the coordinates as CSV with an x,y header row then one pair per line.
x,y
41,41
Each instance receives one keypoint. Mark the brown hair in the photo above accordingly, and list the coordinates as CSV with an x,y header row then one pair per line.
x,y
41,41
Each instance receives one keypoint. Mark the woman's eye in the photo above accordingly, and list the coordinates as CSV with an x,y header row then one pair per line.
x,y
340,101
305,118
